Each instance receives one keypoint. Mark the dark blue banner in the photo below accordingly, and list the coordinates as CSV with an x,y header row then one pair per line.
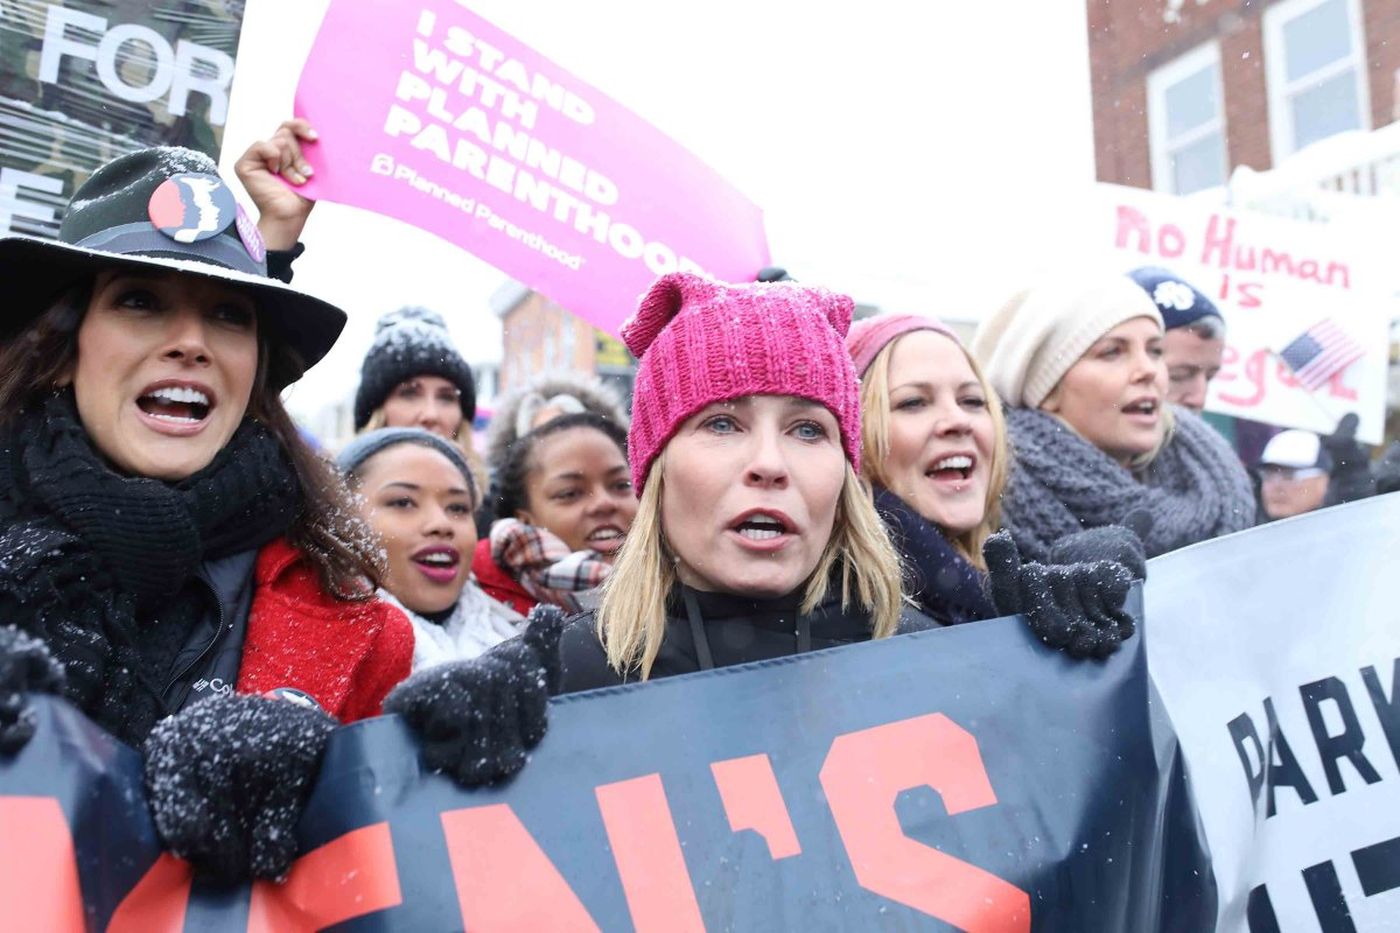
x,y
959,779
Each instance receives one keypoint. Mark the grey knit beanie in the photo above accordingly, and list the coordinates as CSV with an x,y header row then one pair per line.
x,y
354,454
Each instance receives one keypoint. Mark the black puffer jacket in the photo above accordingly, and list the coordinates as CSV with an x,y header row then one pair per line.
x,y
733,630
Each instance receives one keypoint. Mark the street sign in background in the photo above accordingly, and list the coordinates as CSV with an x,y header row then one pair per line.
x,y
85,81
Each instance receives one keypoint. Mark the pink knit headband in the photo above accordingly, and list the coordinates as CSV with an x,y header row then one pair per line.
x,y
871,335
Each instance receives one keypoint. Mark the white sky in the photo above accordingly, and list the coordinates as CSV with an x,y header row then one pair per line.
x,y
913,155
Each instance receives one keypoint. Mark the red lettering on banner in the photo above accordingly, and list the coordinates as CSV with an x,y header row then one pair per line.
x,y
1253,375
1133,223
655,879
157,904
866,771
1171,242
1219,243
348,877
1221,250
1336,388
504,880
39,887
752,800
1246,293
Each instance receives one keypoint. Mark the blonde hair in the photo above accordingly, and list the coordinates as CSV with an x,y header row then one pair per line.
x,y
480,479
631,619
875,447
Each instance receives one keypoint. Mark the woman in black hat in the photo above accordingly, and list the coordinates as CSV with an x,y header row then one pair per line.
x,y
167,536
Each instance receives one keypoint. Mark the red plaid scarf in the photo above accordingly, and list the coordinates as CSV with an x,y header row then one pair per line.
x,y
544,565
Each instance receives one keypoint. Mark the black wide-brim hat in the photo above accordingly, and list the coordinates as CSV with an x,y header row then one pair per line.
x,y
168,209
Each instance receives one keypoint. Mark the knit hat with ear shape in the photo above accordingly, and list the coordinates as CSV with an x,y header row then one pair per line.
x,y
700,341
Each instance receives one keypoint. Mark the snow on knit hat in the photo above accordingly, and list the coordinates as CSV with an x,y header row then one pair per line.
x,y
411,342
700,341
1027,346
871,335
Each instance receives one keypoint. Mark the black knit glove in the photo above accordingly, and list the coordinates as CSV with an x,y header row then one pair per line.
x,y
1120,544
1075,608
25,667
228,778
1388,469
1350,478
477,719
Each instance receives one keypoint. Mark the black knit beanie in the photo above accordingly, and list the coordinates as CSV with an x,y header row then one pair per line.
x,y
411,342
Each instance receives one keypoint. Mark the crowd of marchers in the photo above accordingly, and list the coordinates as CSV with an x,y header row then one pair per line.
x,y
181,563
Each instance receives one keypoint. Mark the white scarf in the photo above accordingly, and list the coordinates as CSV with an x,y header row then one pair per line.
x,y
477,622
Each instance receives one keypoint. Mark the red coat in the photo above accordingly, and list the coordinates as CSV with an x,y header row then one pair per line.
x,y
497,583
348,655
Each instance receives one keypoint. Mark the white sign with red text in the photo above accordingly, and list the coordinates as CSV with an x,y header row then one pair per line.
x,y
1272,279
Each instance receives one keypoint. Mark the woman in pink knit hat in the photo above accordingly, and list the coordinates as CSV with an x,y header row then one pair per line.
x,y
754,537
935,452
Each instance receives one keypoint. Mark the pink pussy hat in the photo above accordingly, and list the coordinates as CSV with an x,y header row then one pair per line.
x,y
868,337
701,341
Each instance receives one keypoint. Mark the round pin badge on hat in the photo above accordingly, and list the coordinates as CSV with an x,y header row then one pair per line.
x,y
192,206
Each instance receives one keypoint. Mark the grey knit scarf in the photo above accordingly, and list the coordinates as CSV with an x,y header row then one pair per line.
x,y
1195,489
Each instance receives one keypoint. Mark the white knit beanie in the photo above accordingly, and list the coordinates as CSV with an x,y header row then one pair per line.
x,y
1027,346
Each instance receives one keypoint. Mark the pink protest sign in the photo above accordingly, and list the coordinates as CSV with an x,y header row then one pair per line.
x,y
430,114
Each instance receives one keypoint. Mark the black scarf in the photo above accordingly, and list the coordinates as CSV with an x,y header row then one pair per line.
x,y
100,565
945,586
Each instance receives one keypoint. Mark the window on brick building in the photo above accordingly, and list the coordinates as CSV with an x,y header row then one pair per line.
x,y
1186,116
1316,65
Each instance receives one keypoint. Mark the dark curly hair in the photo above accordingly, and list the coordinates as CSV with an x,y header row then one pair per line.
x,y
508,493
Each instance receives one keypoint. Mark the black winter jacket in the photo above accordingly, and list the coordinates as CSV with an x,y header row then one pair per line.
x,y
734,630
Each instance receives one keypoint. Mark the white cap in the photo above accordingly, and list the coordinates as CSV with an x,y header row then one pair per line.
x,y
1296,449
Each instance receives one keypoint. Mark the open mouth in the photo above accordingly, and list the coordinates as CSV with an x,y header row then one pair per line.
x,y
438,563
1147,407
1144,411
608,538
176,404
952,468
761,526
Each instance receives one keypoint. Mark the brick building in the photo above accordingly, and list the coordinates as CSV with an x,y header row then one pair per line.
x,y
1184,91
538,335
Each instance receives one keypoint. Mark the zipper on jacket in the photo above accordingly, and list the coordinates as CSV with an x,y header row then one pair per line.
x,y
202,576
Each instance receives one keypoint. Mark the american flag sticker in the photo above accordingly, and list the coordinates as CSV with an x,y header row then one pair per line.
x,y
1319,353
